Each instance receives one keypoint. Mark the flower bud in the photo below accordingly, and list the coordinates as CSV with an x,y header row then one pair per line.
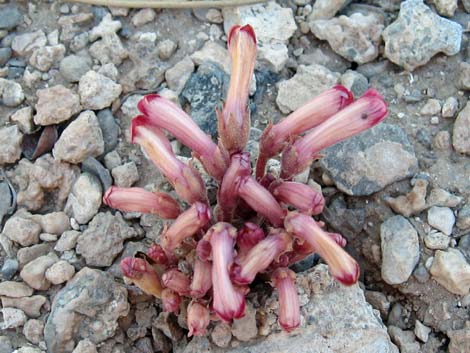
x,y
301,196
202,278
171,301
143,201
289,307
176,281
142,274
198,319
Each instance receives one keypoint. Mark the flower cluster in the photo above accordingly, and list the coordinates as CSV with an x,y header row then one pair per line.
x,y
262,222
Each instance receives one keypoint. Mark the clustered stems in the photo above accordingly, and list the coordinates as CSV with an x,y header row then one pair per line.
x,y
202,258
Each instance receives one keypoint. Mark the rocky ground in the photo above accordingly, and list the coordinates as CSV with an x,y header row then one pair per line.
x,y
70,77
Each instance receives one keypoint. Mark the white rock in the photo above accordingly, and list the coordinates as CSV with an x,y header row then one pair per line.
x,y
106,26
461,131
85,346
10,140
55,105
452,271
400,249
178,75
97,91
110,71
326,9
12,318
422,331
308,82
60,272
44,58
142,17
215,53
33,331
436,241
450,107
11,93
273,56
67,241
441,218
24,44
85,199
166,49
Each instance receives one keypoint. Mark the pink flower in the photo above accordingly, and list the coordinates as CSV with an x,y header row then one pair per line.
x,y
228,302
261,200
289,308
164,114
202,278
142,274
171,301
186,181
301,196
198,319
260,256
366,112
176,281
275,137
234,120
342,266
141,200
248,236
157,254
186,225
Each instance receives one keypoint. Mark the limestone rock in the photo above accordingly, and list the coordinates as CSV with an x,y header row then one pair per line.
x,y
461,132
45,58
22,230
441,218
85,199
97,91
24,44
55,105
178,75
452,271
11,93
34,272
30,305
15,289
10,140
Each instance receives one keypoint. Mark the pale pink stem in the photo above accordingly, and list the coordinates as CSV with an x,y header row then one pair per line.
x,y
187,224
186,181
198,319
171,301
166,115
366,112
142,274
289,307
301,196
261,200
342,266
143,201
202,278
176,281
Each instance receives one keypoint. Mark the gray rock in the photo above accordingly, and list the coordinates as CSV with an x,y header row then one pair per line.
x,y
436,241
10,17
204,92
55,105
400,249
418,34
245,329
166,49
308,82
45,58
213,53
459,339
450,107
326,9
441,218
356,38
441,197
34,273
463,80
370,161
125,175
5,54
80,139
103,240
5,345
109,128
355,82
26,255
85,199
405,340
24,44
452,271
67,241
422,331
30,305
109,50
11,93
22,230
10,140
9,268
178,75
97,91
463,218
88,307
92,166
33,331
15,289
461,131
142,17
73,67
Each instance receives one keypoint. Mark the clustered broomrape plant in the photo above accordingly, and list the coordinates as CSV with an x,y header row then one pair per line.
x,y
262,223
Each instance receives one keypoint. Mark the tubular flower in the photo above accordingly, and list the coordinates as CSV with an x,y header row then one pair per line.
x,y
176,281
261,200
248,236
166,115
157,254
171,301
260,256
342,266
228,302
234,120
198,319
289,308
228,192
301,196
141,200
186,181
202,278
142,274
186,225
366,112
317,110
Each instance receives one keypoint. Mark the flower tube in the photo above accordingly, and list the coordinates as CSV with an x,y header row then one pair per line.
x,y
166,115
248,236
234,120
275,137
185,180
186,225
260,256
171,301
228,302
142,274
176,281
301,196
157,254
366,112
202,278
143,201
289,307
261,200
198,319
342,266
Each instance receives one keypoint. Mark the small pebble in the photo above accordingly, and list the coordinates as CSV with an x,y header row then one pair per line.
x,y
435,120
9,268
441,218
450,107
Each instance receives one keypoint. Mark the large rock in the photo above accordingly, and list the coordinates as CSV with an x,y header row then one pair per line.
x,y
452,271
308,82
82,138
88,307
461,132
418,34
356,38
400,249
103,240
55,105
369,162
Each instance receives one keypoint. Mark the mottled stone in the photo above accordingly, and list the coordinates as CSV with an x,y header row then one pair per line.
x,y
55,105
326,9
60,272
85,199
178,75
11,93
97,91
411,203
125,175
34,272
45,58
452,271
461,132
33,331
73,67
12,318
30,305
22,230
441,218
24,44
